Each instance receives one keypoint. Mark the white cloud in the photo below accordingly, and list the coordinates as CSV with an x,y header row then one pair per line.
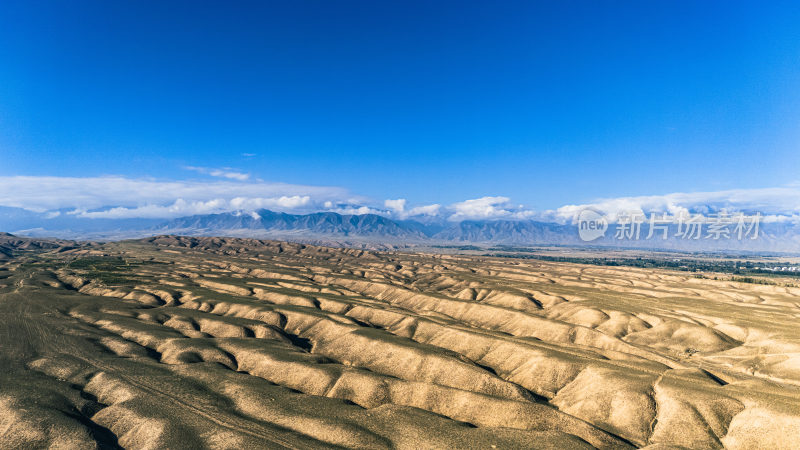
x,y
775,204
224,172
122,197
295,201
426,210
480,208
356,210
782,201
398,206
397,209
177,209
150,197
183,208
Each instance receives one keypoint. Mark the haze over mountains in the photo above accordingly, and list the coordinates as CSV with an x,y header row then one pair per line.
x,y
333,227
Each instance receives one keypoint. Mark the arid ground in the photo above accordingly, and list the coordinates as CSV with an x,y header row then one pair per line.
x,y
176,342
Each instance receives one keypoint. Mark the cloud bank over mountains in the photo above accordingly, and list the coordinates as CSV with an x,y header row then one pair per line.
x,y
488,208
122,197
117,197
775,204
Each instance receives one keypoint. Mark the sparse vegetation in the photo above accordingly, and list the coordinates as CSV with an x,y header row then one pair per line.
x,y
734,267
109,270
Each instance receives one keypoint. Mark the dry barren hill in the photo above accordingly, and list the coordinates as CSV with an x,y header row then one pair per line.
x,y
174,342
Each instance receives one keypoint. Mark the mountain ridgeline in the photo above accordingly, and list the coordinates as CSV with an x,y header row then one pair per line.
x,y
322,225
325,223
374,226
361,225
345,229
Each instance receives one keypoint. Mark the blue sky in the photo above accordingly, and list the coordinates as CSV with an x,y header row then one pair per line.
x,y
544,103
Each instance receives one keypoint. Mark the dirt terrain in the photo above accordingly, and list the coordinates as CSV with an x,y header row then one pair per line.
x,y
178,342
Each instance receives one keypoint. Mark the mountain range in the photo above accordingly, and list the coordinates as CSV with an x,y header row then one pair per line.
x,y
346,229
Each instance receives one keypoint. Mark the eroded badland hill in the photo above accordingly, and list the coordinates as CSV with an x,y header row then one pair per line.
x,y
175,342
